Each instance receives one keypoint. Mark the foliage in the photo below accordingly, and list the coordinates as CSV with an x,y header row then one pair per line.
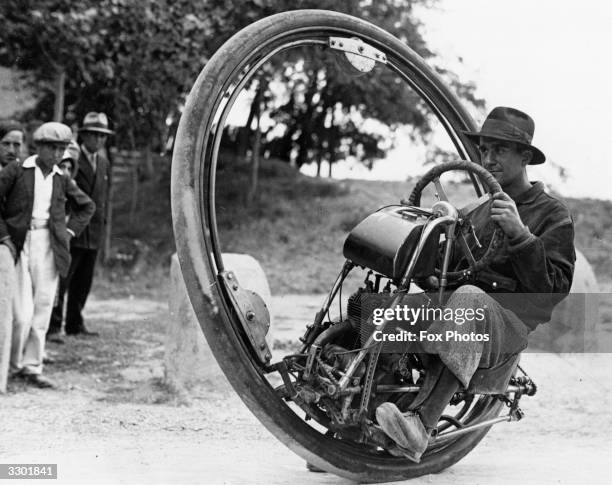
x,y
137,59
297,226
325,108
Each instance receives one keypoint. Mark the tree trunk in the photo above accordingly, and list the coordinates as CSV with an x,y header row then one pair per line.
x,y
148,159
108,227
132,139
243,137
255,159
332,142
59,89
304,141
244,134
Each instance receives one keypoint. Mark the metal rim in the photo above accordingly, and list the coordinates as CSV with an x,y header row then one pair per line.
x,y
203,191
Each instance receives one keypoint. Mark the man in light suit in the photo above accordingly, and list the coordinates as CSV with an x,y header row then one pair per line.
x,y
93,178
34,227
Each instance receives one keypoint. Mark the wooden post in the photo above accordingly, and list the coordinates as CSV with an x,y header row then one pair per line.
x,y
106,248
133,162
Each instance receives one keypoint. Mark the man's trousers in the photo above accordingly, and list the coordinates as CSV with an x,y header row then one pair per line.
x,y
506,335
37,278
78,284
489,337
7,291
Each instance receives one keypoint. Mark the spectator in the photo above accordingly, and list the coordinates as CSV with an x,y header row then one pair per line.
x,y
68,166
93,178
70,160
33,226
11,141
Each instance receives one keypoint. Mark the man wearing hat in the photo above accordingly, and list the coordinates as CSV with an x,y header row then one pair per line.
x,y
93,177
526,280
33,225
68,165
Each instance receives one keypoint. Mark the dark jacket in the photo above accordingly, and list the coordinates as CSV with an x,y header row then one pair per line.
x,y
16,203
95,185
533,272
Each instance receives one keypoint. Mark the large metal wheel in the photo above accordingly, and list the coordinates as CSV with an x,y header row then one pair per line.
x,y
193,208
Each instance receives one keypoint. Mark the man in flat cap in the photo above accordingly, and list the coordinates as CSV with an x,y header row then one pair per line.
x,y
33,225
521,286
93,177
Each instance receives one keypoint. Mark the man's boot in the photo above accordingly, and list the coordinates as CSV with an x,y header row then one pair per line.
x,y
411,430
406,429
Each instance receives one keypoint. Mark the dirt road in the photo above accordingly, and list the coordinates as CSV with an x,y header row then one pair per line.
x,y
112,420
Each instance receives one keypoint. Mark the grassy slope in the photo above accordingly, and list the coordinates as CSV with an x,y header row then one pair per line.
x,y
296,227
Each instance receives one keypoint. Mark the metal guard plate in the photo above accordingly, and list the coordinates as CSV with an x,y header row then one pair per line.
x,y
252,313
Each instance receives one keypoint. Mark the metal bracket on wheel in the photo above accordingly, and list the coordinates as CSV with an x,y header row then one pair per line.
x,y
252,313
362,56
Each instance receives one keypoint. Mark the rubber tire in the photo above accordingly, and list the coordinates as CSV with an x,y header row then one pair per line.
x,y
198,255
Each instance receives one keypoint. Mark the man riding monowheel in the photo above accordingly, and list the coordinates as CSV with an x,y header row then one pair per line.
x,y
531,274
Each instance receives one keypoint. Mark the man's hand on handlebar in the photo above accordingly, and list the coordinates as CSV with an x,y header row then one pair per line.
x,y
505,213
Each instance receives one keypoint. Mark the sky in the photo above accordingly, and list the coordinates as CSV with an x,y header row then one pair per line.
x,y
548,58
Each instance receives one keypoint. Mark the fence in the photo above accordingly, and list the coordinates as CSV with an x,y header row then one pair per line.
x,y
125,180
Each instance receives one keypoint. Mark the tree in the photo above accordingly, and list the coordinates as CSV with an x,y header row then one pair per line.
x,y
325,106
137,59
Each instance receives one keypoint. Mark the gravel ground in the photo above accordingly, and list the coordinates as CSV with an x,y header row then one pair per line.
x,y
113,421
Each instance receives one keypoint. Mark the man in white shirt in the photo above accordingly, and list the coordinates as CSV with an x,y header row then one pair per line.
x,y
33,225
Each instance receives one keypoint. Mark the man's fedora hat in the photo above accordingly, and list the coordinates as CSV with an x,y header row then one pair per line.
x,y
96,122
509,124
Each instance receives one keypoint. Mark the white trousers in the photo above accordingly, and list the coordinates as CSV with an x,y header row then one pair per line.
x,y
37,279
7,290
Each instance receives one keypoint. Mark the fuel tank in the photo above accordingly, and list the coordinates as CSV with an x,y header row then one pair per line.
x,y
386,240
